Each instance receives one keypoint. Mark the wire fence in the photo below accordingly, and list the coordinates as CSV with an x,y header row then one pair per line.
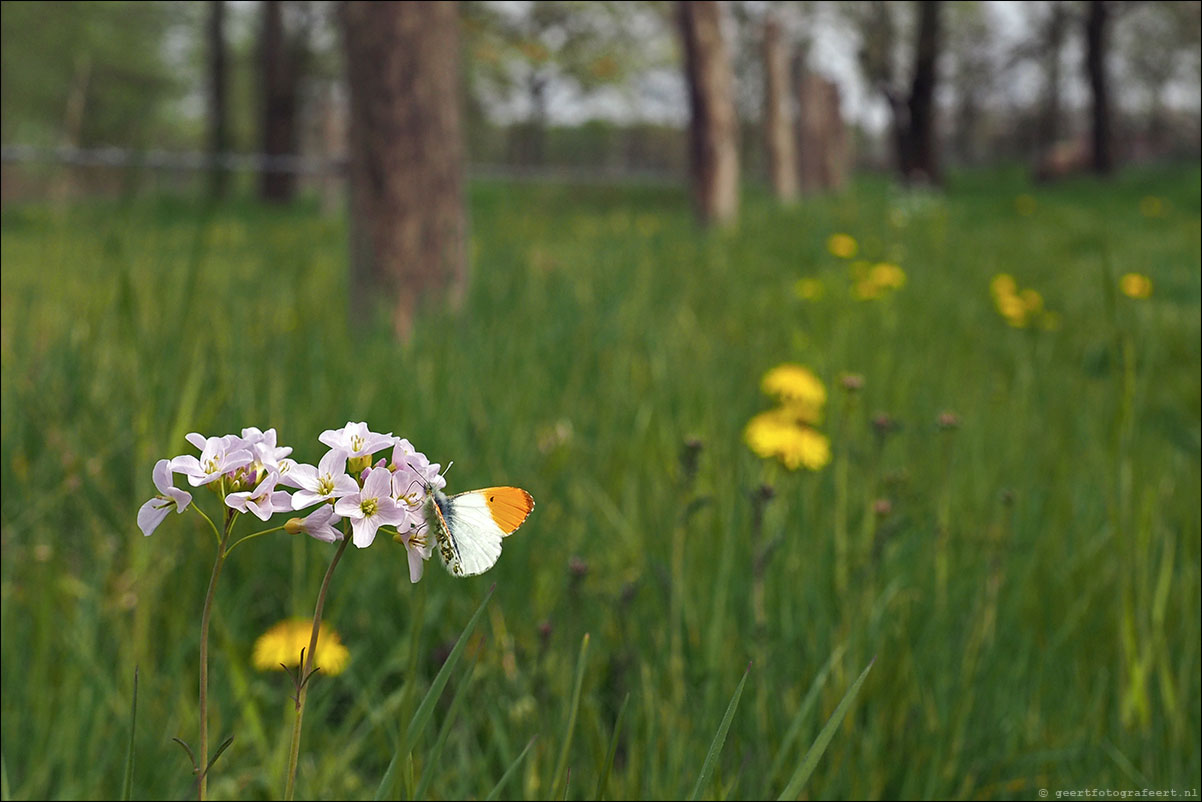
x,y
300,165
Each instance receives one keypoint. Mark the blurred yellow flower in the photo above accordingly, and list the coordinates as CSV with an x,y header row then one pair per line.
x,y
1151,206
1025,204
809,289
841,245
887,275
795,446
794,383
281,646
866,290
1013,309
1032,300
1135,285
1003,284
1020,308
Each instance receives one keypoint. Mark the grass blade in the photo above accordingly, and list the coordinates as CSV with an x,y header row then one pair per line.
x,y
509,771
803,713
707,768
128,786
426,708
603,780
431,760
798,781
566,748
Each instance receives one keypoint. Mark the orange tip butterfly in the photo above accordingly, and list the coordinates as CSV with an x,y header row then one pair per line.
x,y
469,527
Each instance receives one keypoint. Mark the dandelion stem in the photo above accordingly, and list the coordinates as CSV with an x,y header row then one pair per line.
x,y
202,781
302,691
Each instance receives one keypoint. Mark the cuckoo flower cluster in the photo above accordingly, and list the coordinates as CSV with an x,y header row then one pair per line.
x,y
366,480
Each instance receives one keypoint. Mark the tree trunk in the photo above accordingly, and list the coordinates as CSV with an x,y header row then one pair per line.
x,y
713,129
406,179
837,150
1049,122
1096,36
218,117
778,133
280,86
921,162
811,128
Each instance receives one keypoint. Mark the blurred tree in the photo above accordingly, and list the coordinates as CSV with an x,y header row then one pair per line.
x,y
778,119
821,133
1160,43
218,114
912,114
283,54
527,48
105,61
974,70
408,226
1051,37
920,160
713,127
1097,42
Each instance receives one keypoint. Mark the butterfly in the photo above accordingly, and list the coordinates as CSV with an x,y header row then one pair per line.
x,y
468,527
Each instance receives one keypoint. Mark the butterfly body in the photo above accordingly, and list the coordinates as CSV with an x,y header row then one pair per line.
x,y
468,527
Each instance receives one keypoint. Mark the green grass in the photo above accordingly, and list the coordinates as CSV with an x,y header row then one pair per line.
x,y
1031,599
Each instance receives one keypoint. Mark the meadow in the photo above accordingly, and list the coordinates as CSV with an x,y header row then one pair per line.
x,y
1008,528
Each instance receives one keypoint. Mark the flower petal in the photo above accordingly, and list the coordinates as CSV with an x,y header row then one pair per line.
x,y
151,514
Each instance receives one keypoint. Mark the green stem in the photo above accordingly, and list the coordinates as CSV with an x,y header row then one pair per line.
x,y
242,540
212,525
203,782
302,691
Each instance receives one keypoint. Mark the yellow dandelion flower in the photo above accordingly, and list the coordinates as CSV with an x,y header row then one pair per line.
x,y
1025,204
809,289
887,275
1151,206
794,383
1013,309
1003,284
866,290
282,644
1032,300
1135,285
842,245
790,414
795,446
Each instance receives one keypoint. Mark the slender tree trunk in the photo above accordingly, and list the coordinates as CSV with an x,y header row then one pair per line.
x,y
218,116
837,155
713,130
1097,24
921,159
778,130
407,216
1049,123
811,132
280,87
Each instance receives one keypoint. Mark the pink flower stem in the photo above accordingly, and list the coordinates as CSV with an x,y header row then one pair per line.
x,y
302,690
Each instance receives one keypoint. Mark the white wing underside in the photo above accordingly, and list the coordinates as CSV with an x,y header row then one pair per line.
x,y
476,536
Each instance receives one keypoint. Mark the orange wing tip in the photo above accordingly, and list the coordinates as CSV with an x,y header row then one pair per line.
x,y
509,506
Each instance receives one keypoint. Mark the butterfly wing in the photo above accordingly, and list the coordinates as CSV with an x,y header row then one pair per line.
x,y
474,524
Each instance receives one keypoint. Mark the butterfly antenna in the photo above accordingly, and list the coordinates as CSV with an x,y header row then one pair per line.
x,y
449,464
